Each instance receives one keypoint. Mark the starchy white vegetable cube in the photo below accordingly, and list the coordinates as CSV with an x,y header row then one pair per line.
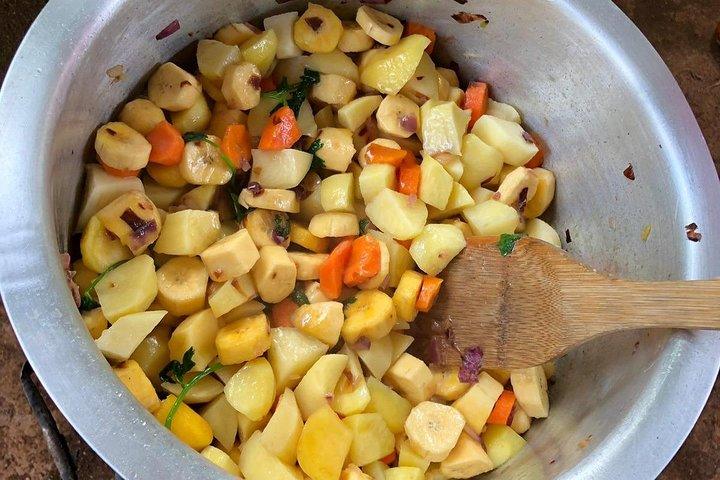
x,y
443,126
101,188
481,161
256,463
214,57
372,439
491,218
274,274
230,257
477,403
389,70
466,460
412,377
337,148
198,331
459,200
281,169
281,435
316,388
537,228
436,246
188,232
251,391
119,341
291,355
530,387
282,24
376,177
516,145
324,445
502,443
337,193
435,183
353,115
396,215
503,111
129,288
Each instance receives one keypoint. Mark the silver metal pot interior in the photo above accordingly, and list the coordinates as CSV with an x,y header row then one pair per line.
x,y
586,81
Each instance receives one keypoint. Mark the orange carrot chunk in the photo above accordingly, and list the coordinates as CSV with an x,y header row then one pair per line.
x,y
236,145
364,262
408,179
539,157
476,100
281,131
428,293
412,28
282,312
167,144
500,414
332,269
382,154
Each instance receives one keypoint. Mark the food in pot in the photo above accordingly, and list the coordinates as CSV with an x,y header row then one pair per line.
x,y
260,233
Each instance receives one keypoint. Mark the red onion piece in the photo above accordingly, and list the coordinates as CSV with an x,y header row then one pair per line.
x,y
472,362
173,27
412,200
255,188
363,343
409,123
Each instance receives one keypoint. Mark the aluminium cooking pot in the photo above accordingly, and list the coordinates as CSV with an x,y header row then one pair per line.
x,y
588,83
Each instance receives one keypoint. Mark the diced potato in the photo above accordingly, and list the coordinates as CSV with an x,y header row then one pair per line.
x,y
228,296
521,421
376,470
243,340
141,115
408,457
282,169
321,320
466,460
188,426
306,120
247,427
443,88
423,84
400,343
406,294
317,30
400,259
516,145
325,118
280,436
274,274
95,322
334,89
316,388
393,213
299,235
354,39
203,391
536,228
436,246
502,443
477,403
198,332
435,183
188,232
450,75
241,85
133,377
256,463
314,293
412,377
224,116
544,194
353,115
310,207
530,387
211,88
337,193
374,178
353,472
161,196
481,161
213,57
502,375
443,126
451,163
447,384
308,264
335,62
101,188
378,357
503,111
404,473
324,444
334,224
221,459
172,88
230,257
491,218
235,33
217,413
372,316
291,355
251,391
351,394
372,439
100,248
393,408
459,200
389,70
130,288
134,219
119,341
271,199
283,24
260,50
433,430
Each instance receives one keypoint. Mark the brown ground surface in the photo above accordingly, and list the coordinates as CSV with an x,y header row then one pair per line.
x,y
681,31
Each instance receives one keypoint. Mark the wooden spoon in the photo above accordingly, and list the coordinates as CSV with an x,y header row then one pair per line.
x,y
537,303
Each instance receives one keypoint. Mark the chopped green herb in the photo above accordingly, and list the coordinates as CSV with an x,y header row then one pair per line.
x,y
240,211
174,372
317,162
202,137
299,297
281,229
507,242
349,301
87,302
363,224
297,92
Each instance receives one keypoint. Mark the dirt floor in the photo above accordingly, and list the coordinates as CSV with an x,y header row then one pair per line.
x,y
683,33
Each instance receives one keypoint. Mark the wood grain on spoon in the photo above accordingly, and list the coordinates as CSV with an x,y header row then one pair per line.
x,y
537,303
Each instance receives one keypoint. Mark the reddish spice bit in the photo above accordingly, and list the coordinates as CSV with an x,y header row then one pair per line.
x,y
527,137
409,123
255,81
691,232
255,188
629,172
173,27
471,364
314,22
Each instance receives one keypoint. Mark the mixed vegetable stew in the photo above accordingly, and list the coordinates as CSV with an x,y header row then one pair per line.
x,y
261,229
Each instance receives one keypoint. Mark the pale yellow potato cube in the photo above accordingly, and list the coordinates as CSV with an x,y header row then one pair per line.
x,y
353,115
502,375
197,331
247,427
230,257
530,387
247,309
372,439
435,183
481,161
228,296
251,391
243,339
436,246
188,232
256,463
404,473
412,377
443,126
325,117
282,169
172,88
334,89
503,110
101,188
374,178
300,235
423,84
324,445
353,472
406,294
281,435
260,50
390,69
316,388
400,343
351,392
309,207
221,459
308,264
376,470
502,443
214,57
491,218
515,144
447,384
378,357
451,163
321,320
306,120
337,193
133,377
334,62
129,288
291,354
337,148
481,194
394,213
217,413
271,199
119,341
477,403
459,200
282,25
95,322
467,459
408,457
537,228
274,274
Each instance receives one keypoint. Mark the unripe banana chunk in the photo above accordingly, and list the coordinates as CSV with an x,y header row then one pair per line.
x,y
354,39
398,116
515,182
317,30
274,274
182,282
134,219
433,429
100,248
372,316
334,224
142,115
173,89
121,147
230,257
380,26
262,224
241,86
202,164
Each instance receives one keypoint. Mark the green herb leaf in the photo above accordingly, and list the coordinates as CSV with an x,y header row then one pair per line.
x,y
281,228
363,224
317,162
202,137
349,301
299,297
240,211
507,242
297,92
87,302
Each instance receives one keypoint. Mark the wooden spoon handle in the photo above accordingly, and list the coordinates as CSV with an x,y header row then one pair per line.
x,y
622,304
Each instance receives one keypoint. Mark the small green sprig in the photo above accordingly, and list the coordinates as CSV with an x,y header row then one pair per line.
x,y
87,302
299,298
202,137
293,95
317,162
507,242
174,372
363,226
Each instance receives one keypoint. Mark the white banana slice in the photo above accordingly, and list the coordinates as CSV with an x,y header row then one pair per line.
x,y
202,163
371,315
182,283
380,26
433,429
354,39
261,224
398,116
121,147
172,88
